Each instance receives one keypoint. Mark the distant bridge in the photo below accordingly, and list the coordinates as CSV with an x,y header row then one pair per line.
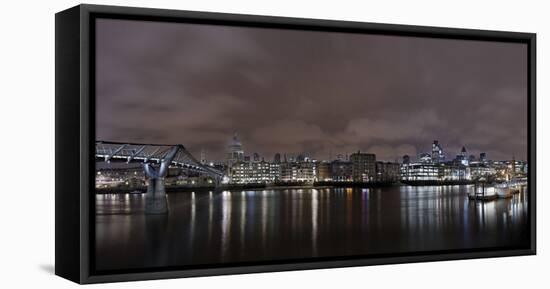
x,y
156,159
151,154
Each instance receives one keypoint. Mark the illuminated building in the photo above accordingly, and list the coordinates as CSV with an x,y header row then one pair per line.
x,y
420,171
304,171
480,169
254,172
119,178
462,157
454,172
425,158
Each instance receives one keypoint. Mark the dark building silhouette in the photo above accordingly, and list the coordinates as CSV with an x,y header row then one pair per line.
x,y
277,158
363,166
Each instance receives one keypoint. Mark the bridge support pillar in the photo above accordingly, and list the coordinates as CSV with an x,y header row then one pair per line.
x,y
155,198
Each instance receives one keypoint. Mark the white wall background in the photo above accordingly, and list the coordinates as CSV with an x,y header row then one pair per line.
x,y
27,144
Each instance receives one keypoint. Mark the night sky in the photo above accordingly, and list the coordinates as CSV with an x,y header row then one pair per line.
x,y
291,91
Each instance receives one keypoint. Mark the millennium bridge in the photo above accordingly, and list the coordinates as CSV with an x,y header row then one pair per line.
x,y
156,159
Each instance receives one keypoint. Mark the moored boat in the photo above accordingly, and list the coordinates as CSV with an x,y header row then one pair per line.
x,y
503,191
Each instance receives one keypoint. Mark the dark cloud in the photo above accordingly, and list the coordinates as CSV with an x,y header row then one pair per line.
x,y
303,91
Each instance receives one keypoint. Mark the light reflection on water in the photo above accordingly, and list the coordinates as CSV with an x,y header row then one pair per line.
x,y
240,226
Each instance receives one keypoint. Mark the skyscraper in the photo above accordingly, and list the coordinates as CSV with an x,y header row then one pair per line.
x,y
437,152
482,157
462,156
463,152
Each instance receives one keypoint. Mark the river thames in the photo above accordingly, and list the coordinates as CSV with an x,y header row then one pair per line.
x,y
282,224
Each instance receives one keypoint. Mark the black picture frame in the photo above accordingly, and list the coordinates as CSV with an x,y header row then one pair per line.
x,y
75,139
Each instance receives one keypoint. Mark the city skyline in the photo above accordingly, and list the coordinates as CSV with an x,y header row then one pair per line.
x,y
358,167
447,155
304,91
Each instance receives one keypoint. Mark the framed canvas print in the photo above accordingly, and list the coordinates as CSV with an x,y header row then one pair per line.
x,y
193,144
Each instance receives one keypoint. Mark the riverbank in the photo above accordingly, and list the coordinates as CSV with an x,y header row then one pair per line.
x,y
282,186
175,189
438,183
356,184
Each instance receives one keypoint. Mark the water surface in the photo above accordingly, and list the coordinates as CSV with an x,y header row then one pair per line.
x,y
240,226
